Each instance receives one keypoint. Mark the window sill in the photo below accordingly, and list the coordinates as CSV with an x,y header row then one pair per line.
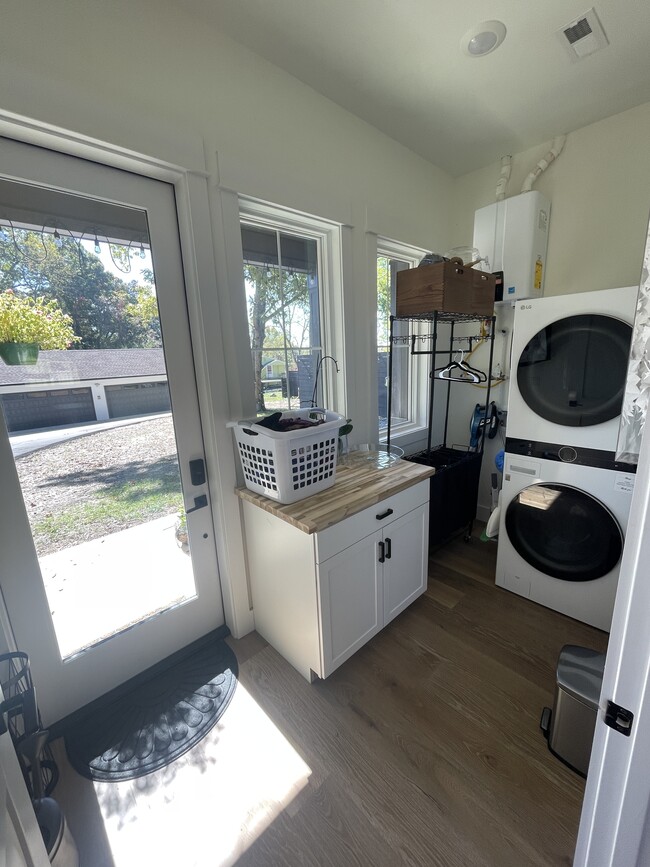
x,y
407,437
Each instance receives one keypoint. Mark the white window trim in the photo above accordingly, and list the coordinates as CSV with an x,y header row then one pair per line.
x,y
328,239
411,432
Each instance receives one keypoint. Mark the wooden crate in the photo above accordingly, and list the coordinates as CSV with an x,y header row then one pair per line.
x,y
446,286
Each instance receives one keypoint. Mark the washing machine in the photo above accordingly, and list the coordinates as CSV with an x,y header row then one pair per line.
x,y
569,367
563,519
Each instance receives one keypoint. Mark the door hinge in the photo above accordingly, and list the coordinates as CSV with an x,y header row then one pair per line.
x,y
619,718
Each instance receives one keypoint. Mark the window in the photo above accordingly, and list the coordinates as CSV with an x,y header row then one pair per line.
x,y
286,259
409,377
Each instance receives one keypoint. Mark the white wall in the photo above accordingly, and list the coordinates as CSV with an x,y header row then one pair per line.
x,y
142,75
599,189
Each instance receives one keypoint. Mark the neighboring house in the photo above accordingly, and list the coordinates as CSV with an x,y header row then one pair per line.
x,y
80,385
273,368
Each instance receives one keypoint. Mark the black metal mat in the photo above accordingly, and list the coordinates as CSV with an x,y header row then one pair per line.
x,y
155,721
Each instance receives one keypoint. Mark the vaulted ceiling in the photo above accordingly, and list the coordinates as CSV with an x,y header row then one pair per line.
x,y
398,65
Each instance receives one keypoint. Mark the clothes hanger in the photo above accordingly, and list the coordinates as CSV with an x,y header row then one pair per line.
x,y
460,371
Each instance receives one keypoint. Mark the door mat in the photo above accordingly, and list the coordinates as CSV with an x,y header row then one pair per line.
x,y
156,721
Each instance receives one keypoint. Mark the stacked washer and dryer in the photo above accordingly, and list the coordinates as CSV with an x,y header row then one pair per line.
x,y
565,499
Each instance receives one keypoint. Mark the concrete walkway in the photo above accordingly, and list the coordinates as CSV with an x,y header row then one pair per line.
x,y
98,588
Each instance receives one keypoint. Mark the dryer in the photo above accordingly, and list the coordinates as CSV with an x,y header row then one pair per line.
x,y
562,528
569,367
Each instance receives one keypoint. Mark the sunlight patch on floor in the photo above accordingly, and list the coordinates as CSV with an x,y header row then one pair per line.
x,y
213,802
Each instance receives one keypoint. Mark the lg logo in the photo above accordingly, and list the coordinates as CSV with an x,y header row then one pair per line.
x,y
525,306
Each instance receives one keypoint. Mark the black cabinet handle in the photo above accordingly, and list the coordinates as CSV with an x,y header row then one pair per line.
x,y
384,514
388,549
382,556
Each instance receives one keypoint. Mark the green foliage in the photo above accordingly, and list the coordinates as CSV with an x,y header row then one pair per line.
x,y
383,300
118,507
144,313
31,320
106,312
278,314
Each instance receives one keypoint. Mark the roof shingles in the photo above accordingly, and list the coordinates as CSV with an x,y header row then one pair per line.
x,y
80,365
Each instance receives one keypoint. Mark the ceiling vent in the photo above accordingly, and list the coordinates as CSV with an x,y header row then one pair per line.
x,y
583,36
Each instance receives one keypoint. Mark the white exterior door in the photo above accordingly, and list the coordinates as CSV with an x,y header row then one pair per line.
x,y
615,824
67,676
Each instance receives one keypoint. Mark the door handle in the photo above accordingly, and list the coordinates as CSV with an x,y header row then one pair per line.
x,y
197,472
388,549
200,502
382,556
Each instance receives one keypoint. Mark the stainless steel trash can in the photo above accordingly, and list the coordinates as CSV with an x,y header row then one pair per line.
x,y
569,727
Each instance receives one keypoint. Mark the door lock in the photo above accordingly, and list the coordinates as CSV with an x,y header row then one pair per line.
x,y
197,472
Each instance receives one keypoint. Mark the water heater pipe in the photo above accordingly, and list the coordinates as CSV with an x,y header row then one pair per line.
x,y
544,163
506,168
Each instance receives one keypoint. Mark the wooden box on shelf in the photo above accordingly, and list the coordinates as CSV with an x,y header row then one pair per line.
x,y
447,286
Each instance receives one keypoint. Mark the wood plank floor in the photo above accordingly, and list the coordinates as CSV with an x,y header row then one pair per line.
x,y
423,749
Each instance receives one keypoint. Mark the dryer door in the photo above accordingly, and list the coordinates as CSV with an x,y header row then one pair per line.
x,y
573,371
563,532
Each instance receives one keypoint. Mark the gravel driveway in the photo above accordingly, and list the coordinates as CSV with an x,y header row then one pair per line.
x,y
80,472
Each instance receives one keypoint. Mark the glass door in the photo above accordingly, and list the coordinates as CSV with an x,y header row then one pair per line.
x,y
102,455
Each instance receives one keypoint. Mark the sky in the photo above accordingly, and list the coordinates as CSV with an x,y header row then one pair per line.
x,y
137,264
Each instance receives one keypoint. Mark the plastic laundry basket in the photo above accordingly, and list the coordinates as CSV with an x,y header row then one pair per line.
x,y
289,466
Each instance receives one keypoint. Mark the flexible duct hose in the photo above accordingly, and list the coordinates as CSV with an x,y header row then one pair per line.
x,y
506,168
544,163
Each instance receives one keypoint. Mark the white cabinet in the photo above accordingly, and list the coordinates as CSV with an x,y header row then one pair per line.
x,y
365,586
351,601
317,598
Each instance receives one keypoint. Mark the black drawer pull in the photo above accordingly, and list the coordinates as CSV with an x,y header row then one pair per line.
x,y
384,514
382,556
388,549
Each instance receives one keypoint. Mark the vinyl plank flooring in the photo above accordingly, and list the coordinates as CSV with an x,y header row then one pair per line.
x,y
441,712
423,750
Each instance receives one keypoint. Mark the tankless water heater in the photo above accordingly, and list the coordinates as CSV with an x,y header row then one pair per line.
x,y
513,235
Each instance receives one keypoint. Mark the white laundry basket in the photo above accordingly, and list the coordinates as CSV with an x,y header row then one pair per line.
x,y
289,466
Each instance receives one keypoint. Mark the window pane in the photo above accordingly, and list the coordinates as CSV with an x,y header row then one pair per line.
x,y
282,291
387,269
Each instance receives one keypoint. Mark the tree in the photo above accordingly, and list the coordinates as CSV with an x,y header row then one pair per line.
x,y
106,312
383,300
278,305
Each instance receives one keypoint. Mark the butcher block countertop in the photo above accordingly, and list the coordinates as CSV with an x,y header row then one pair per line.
x,y
362,480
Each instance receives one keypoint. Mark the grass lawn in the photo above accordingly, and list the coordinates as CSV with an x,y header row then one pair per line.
x,y
113,508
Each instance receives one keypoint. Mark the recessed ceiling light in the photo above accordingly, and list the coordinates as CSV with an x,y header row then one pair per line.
x,y
483,38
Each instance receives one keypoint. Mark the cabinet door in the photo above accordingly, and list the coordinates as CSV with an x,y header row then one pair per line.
x,y
407,553
351,600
